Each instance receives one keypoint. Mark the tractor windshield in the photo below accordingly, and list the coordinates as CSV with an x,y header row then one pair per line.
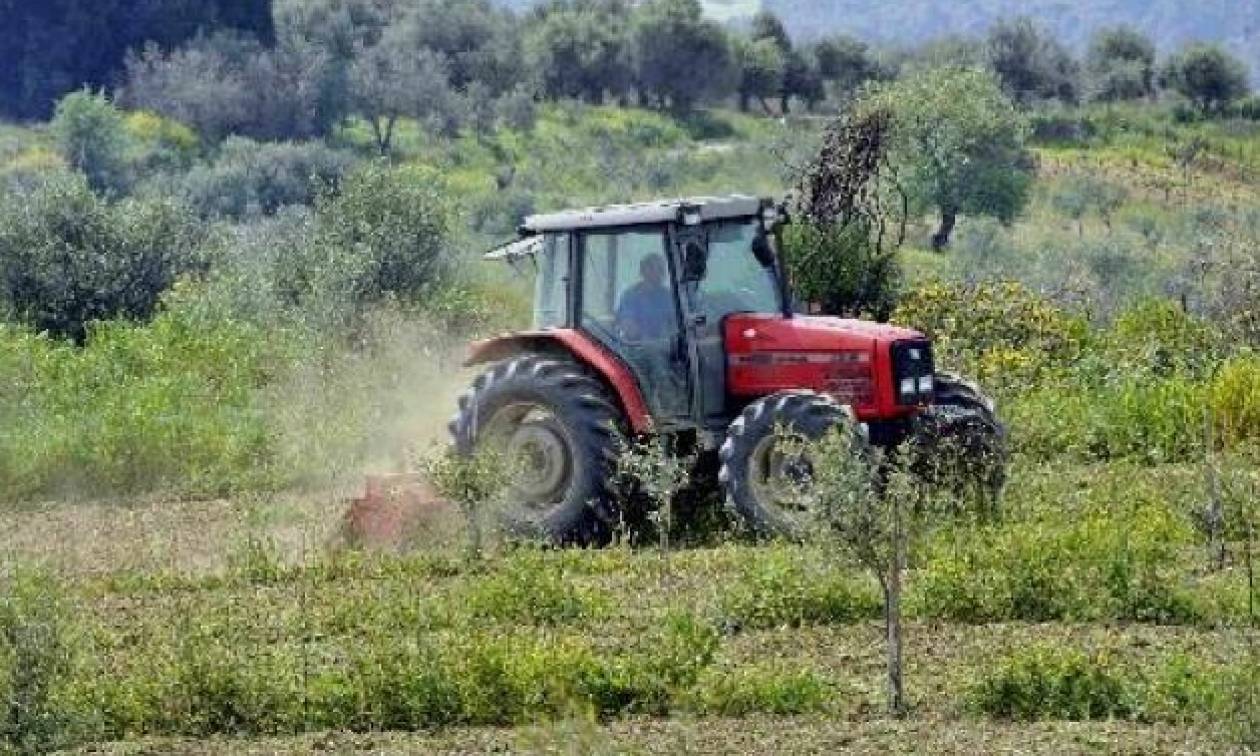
x,y
734,280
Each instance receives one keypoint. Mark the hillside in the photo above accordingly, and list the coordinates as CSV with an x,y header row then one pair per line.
x,y
1171,23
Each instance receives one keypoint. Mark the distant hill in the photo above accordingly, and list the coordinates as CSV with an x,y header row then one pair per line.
x,y
1171,23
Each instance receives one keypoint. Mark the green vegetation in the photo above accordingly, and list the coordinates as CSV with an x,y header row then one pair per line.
x,y
243,278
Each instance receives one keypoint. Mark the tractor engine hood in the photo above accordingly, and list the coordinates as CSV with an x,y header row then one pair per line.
x,y
858,362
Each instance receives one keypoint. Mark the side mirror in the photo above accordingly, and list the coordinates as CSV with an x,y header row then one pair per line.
x,y
695,261
762,249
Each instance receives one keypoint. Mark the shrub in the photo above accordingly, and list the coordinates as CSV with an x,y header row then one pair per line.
x,y
160,143
91,137
501,213
1101,565
1045,681
248,179
1149,419
840,269
138,408
739,692
384,235
37,657
1235,398
998,331
68,258
781,590
530,592
1157,337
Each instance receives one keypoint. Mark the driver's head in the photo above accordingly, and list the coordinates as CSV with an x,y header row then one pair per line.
x,y
652,269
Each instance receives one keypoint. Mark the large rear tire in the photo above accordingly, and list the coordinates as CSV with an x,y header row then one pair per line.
x,y
960,443
556,421
755,474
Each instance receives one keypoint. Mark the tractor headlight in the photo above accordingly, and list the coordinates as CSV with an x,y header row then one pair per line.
x,y
913,372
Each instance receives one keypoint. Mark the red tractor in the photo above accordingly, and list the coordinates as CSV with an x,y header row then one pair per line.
x,y
676,318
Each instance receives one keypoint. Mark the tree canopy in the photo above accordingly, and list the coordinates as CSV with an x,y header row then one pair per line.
x,y
1030,64
681,57
958,144
1207,76
51,48
1121,65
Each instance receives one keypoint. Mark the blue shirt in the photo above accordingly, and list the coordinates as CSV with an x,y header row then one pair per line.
x,y
647,312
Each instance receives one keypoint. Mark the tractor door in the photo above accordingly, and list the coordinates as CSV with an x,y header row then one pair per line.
x,y
721,276
627,301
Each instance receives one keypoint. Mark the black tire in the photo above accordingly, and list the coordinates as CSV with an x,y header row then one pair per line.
x,y
809,414
580,509
960,442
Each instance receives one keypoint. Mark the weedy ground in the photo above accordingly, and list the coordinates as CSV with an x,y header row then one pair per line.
x,y
1081,620
1090,616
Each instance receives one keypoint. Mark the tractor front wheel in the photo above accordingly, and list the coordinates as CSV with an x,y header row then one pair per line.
x,y
559,426
759,477
959,442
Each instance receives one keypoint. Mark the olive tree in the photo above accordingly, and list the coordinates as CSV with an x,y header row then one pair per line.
x,y
91,137
581,50
68,257
849,221
227,84
1030,64
1207,76
389,81
1120,65
681,58
761,71
476,39
846,62
958,145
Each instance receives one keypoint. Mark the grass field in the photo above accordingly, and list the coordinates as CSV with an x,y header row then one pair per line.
x,y
244,622
151,610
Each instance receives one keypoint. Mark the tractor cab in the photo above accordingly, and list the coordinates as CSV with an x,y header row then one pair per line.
x,y
653,284
675,317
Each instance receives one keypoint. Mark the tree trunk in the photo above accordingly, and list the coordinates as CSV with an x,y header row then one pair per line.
x,y
892,608
949,219
384,136
1215,515
785,104
378,135
744,100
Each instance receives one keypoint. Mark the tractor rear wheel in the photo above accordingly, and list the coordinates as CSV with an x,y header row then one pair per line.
x,y
758,477
959,441
559,424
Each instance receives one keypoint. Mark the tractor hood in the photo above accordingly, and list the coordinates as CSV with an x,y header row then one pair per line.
x,y
762,333
860,363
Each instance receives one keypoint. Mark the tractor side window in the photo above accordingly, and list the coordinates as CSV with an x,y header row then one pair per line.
x,y
628,304
626,290
551,295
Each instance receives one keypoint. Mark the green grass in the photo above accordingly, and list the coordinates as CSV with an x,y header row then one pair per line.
x,y
1091,598
278,642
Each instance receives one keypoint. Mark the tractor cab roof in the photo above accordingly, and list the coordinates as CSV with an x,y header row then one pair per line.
x,y
689,210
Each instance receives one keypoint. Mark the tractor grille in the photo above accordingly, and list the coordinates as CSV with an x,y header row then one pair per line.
x,y
913,372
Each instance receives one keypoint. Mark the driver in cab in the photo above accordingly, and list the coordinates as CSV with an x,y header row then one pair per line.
x,y
646,310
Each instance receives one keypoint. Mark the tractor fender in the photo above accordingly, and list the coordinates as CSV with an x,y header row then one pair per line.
x,y
584,350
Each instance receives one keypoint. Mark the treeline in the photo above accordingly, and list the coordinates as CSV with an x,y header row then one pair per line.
x,y
49,47
296,70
